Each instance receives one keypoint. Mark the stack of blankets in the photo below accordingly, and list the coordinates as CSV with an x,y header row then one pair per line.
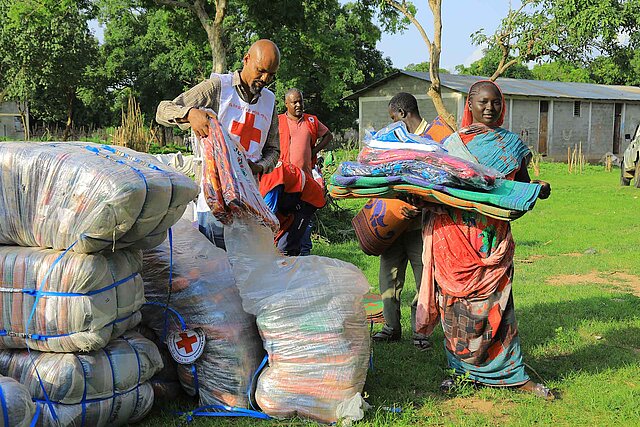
x,y
389,170
73,220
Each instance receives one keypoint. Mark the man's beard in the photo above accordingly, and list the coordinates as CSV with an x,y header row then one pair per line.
x,y
255,88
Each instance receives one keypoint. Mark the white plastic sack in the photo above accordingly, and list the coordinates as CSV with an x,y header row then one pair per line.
x,y
54,194
112,382
311,317
16,406
205,295
86,300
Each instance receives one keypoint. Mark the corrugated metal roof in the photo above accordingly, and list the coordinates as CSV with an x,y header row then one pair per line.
x,y
521,87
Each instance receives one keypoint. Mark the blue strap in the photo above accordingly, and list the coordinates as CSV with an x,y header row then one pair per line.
x,y
113,381
36,416
183,324
196,382
222,411
5,410
170,289
265,359
41,337
84,392
36,292
33,310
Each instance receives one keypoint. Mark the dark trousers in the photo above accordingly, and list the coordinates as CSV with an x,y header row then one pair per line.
x,y
291,240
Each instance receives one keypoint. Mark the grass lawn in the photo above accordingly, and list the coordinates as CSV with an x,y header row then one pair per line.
x,y
577,298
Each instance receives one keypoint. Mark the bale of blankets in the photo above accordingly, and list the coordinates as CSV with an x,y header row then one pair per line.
x,y
81,300
16,407
95,196
195,279
108,387
229,187
311,318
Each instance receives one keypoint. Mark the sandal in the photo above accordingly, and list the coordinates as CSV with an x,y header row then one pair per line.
x,y
421,342
385,335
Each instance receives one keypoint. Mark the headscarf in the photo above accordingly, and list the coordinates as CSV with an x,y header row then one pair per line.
x,y
467,116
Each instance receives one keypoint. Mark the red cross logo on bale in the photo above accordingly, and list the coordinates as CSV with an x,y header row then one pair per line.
x,y
186,342
246,131
186,346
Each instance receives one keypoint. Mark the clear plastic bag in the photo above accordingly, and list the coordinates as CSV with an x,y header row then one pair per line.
x,y
229,186
86,300
16,407
112,383
54,194
311,317
205,295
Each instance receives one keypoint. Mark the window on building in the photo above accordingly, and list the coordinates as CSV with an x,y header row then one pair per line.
x,y
576,108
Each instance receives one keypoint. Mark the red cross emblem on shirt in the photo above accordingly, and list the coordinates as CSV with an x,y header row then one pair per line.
x,y
186,342
246,131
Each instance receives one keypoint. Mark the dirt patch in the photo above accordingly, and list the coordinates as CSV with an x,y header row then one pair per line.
x,y
573,254
499,411
616,279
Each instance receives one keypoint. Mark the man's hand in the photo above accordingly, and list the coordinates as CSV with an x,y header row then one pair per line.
x,y
545,191
256,169
199,121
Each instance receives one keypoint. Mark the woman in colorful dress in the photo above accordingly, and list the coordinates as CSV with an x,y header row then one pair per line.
x,y
468,258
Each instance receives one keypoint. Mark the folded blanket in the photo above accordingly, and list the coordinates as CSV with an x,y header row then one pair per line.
x,y
86,300
506,194
429,195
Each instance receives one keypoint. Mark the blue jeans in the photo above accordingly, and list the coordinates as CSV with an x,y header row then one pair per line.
x,y
307,245
211,228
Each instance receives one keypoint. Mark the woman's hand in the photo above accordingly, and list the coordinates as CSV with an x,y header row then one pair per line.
x,y
545,191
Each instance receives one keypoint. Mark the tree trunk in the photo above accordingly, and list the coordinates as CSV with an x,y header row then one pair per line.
x,y
434,54
214,32
67,129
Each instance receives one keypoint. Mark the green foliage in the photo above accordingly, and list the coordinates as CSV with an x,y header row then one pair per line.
x,y
569,30
561,71
487,65
170,148
47,49
423,67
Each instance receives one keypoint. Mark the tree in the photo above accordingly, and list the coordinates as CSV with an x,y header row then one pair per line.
x,y
47,48
328,49
561,71
396,15
490,62
574,31
423,67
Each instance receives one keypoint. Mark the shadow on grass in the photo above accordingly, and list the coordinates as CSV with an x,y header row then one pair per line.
x,y
546,323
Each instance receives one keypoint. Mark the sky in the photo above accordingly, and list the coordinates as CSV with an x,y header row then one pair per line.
x,y
460,19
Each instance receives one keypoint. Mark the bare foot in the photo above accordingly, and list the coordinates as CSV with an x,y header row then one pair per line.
x,y
537,389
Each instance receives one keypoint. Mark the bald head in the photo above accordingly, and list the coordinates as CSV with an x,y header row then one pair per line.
x,y
260,65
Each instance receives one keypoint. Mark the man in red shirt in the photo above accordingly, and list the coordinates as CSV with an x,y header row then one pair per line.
x,y
290,190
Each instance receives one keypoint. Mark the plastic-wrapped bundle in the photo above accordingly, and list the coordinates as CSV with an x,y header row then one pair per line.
x,y
17,408
311,317
205,295
86,300
438,167
68,192
229,187
165,383
105,387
